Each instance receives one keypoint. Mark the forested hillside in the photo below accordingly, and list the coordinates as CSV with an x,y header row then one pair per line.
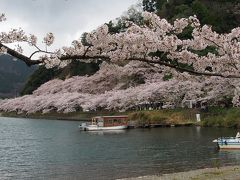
x,y
223,15
42,75
13,75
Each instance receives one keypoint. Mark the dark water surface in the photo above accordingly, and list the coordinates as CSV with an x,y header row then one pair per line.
x,y
41,149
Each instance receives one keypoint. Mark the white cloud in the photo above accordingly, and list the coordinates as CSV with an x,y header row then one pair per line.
x,y
67,19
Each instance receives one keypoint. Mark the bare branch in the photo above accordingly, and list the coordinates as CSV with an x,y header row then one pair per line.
x,y
197,73
40,51
21,57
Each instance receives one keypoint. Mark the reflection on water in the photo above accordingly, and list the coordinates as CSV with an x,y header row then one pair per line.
x,y
229,154
107,132
37,149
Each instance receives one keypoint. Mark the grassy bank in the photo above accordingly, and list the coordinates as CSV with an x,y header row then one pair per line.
x,y
176,116
213,117
222,117
164,117
74,116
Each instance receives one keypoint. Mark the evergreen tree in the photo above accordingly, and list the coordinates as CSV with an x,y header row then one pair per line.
x,y
149,5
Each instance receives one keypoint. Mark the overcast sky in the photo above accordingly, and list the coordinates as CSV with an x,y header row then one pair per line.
x,y
67,19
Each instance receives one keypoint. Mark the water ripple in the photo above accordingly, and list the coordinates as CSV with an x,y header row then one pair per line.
x,y
38,149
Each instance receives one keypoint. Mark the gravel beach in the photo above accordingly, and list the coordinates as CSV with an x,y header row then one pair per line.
x,y
226,173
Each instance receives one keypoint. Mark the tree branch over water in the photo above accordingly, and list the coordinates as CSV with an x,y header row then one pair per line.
x,y
139,43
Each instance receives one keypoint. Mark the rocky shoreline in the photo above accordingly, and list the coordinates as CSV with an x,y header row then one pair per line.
x,y
222,173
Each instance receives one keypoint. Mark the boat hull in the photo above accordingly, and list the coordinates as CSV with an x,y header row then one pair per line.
x,y
237,147
228,143
99,128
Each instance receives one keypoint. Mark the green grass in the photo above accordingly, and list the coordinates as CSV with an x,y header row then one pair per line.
x,y
222,117
214,117
86,116
175,116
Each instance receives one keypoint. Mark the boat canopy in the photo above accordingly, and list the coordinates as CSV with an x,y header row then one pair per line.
x,y
107,121
238,135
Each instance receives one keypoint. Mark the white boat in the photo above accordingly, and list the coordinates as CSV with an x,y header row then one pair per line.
x,y
228,142
100,123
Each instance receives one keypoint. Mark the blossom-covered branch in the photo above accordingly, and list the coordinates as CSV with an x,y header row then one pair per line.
x,y
156,42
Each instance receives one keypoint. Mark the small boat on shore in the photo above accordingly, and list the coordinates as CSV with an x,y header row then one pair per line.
x,y
228,142
100,123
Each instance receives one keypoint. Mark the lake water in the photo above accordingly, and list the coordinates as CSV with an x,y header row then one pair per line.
x,y
41,149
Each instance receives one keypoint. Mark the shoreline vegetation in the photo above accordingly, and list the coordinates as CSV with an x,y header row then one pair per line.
x,y
227,172
212,117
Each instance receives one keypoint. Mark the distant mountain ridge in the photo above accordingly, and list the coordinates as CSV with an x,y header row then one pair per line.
x,y
13,76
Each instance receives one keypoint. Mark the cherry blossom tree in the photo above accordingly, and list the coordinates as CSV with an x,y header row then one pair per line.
x,y
155,42
203,67
109,89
